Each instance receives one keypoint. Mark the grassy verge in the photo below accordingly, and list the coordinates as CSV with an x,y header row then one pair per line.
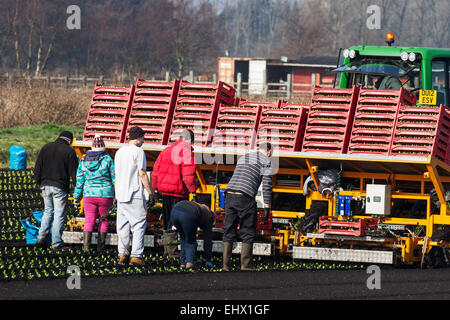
x,y
32,139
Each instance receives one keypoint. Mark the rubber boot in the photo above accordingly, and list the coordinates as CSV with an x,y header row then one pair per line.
x,y
246,257
101,242
87,236
227,248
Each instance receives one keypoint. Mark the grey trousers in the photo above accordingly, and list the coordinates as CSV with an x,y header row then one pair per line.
x,y
131,218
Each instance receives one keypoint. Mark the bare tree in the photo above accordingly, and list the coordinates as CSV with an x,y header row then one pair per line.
x,y
35,26
192,34
7,21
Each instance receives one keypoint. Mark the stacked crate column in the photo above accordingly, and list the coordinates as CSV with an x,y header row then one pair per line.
x,y
375,116
422,131
330,120
283,128
108,113
236,126
152,109
196,109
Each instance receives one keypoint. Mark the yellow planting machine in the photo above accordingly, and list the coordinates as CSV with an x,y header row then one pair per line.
x,y
363,171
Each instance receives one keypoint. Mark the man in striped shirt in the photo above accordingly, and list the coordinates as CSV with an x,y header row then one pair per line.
x,y
240,204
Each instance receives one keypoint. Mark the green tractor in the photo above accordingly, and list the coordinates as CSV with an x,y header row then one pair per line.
x,y
423,71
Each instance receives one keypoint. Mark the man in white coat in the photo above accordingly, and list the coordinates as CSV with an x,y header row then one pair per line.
x,y
131,181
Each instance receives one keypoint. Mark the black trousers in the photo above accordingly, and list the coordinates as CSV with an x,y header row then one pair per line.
x,y
168,203
240,210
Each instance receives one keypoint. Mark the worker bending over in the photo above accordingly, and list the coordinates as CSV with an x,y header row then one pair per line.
x,y
187,217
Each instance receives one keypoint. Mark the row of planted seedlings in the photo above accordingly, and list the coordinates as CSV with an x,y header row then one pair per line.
x,y
28,263
19,197
19,261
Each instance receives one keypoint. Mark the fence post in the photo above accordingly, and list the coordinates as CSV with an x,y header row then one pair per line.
x,y
167,76
9,80
66,82
48,81
265,86
289,86
215,77
191,76
85,81
313,81
239,84
101,79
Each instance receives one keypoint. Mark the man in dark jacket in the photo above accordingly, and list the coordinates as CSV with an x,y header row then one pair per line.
x,y
56,163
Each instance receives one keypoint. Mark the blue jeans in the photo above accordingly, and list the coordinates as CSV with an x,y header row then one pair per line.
x,y
186,224
55,201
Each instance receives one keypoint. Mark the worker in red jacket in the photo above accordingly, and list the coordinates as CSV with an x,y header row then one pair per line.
x,y
174,174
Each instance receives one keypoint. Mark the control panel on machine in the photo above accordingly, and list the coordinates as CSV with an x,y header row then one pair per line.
x,y
378,199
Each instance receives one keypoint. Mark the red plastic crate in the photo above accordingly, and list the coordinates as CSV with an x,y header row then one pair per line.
x,y
331,225
422,131
196,109
108,113
284,128
375,117
293,106
244,103
236,126
152,109
267,225
330,119
219,219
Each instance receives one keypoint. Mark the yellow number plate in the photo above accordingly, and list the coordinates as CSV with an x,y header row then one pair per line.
x,y
428,97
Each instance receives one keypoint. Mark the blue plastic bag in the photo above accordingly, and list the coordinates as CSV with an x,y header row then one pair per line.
x,y
222,198
38,216
31,230
17,158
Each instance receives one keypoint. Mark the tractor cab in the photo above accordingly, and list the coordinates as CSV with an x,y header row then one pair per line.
x,y
423,71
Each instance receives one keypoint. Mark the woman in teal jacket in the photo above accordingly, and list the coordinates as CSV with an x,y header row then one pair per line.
x,y
95,184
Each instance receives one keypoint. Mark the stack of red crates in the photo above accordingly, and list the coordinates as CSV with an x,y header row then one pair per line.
x,y
152,109
236,126
284,128
422,131
196,109
108,113
375,116
330,120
